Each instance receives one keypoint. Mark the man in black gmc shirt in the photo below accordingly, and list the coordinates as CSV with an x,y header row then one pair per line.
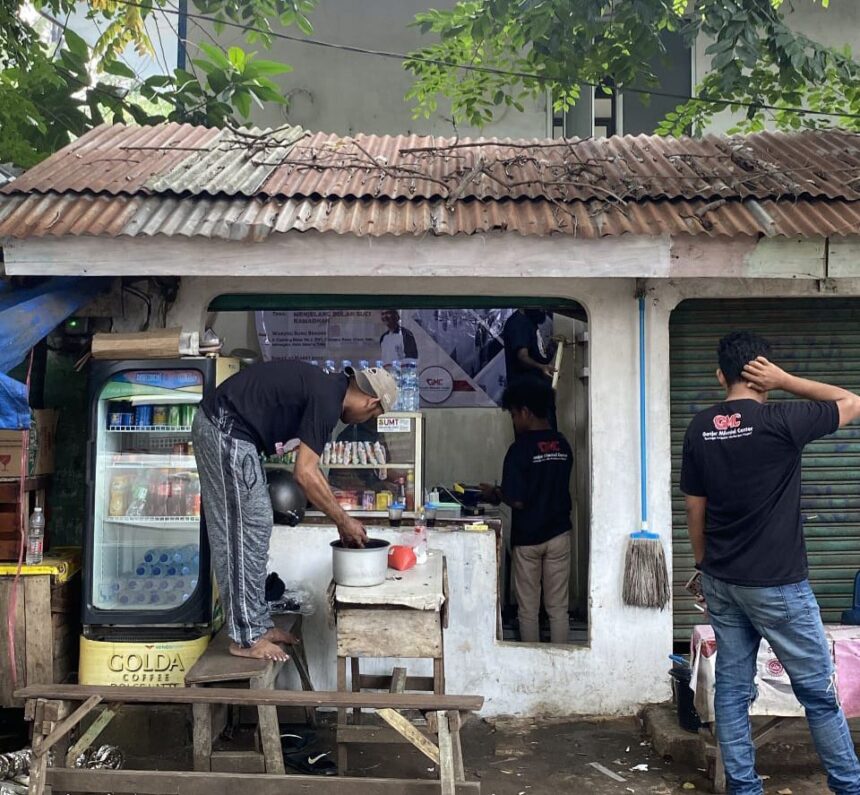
x,y
741,478
536,485
294,404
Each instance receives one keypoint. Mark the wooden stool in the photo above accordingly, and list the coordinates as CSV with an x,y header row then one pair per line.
x,y
218,667
403,618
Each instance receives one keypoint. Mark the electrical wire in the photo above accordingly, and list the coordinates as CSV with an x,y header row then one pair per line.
x,y
482,69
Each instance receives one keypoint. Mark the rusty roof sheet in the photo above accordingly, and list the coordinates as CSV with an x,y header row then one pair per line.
x,y
290,163
254,219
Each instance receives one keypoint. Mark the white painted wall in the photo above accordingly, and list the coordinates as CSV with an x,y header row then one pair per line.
x,y
345,93
836,26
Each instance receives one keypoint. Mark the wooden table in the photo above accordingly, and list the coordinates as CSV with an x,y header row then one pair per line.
x,y
405,617
218,667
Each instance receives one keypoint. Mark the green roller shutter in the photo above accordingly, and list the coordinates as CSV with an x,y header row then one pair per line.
x,y
814,338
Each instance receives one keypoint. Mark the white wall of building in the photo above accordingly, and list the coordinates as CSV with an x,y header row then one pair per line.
x,y
344,92
625,663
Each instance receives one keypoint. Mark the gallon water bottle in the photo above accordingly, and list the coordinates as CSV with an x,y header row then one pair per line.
x,y
35,537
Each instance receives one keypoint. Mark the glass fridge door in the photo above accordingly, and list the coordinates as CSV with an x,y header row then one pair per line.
x,y
146,544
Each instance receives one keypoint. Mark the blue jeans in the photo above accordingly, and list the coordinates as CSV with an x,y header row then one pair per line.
x,y
787,616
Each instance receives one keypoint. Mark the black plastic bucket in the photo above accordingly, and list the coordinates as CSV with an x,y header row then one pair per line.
x,y
688,718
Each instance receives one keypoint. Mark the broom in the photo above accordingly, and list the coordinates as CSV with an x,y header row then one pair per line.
x,y
646,580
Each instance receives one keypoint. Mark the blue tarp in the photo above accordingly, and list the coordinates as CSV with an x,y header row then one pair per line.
x,y
26,316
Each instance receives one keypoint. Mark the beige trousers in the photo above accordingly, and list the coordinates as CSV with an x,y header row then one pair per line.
x,y
548,563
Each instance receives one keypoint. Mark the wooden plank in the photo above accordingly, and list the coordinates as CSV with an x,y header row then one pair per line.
x,y
439,675
237,762
270,739
355,685
92,733
400,724
455,723
42,745
37,619
375,735
187,783
373,682
216,664
398,680
388,633
202,736
278,698
341,717
7,680
446,754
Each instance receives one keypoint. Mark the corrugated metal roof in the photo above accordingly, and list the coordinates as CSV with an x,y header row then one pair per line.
x,y
178,158
176,179
254,219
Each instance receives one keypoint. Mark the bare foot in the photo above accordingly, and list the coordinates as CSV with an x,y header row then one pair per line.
x,y
262,649
279,636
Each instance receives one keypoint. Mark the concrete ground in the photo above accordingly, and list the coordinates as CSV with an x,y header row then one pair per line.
x,y
519,757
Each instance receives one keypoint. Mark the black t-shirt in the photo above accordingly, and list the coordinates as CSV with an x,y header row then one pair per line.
x,y
279,401
537,474
744,457
520,332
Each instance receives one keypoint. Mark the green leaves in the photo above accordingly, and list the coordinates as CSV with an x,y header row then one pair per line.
x,y
558,45
48,98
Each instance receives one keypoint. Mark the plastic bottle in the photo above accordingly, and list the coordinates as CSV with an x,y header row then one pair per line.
x,y
35,537
329,366
344,364
363,364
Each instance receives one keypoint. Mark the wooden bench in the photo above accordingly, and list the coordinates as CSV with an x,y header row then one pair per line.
x,y
54,703
218,667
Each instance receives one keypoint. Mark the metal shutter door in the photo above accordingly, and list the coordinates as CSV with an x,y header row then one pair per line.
x,y
813,338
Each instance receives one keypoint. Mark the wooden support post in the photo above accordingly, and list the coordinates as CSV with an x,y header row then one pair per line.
x,y
398,680
439,675
300,660
404,727
455,723
355,683
446,755
202,737
92,733
341,716
267,718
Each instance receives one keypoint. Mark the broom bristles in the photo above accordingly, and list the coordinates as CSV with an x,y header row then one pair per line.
x,y
646,579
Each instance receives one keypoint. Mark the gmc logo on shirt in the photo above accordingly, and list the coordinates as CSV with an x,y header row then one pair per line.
x,y
723,422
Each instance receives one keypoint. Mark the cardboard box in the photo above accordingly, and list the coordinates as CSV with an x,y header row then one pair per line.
x,y
43,433
225,366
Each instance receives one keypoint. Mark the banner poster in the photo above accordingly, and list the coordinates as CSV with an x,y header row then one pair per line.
x,y
460,353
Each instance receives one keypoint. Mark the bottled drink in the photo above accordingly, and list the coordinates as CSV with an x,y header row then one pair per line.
x,y
363,364
35,537
344,364
139,495
174,416
151,555
380,365
118,495
176,501
162,494
329,366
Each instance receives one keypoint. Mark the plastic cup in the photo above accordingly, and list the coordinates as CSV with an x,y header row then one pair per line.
x,y
395,515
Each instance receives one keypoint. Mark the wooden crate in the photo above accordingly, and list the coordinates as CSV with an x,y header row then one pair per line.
x,y
35,493
47,630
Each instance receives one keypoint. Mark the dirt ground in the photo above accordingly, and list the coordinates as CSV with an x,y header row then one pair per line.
x,y
509,758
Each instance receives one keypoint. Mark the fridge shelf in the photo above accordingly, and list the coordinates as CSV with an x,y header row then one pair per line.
x,y
153,520
184,462
149,429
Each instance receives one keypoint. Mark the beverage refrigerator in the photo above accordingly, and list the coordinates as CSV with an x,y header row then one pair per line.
x,y
146,558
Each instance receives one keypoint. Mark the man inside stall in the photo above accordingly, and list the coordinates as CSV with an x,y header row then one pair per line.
x,y
527,354
536,486
258,408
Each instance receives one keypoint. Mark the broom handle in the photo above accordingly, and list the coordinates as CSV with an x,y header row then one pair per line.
x,y
643,431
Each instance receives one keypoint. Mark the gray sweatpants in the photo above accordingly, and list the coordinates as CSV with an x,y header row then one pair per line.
x,y
238,517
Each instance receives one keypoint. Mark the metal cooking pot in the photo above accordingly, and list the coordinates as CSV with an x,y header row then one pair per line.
x,y
360,567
